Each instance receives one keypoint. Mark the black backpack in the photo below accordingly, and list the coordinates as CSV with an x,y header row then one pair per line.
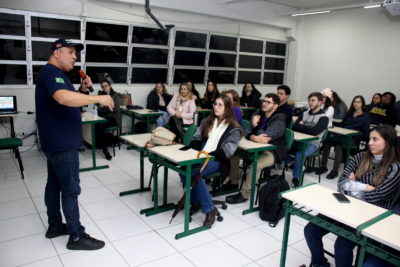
x,y
270,204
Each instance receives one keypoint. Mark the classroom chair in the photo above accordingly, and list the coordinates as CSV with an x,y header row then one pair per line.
x,y
13,144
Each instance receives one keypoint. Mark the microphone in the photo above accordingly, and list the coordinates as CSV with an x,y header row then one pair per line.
x,y
83,76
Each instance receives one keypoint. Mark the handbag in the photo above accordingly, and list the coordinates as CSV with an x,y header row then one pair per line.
x,y
126,98
162,136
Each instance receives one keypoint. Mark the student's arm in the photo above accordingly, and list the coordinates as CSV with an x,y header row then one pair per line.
x,y
229,148
73,99
277,128
318,128
188,114
351,167
172,104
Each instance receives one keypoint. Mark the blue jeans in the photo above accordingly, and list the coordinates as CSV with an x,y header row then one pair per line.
x,y
311,148
63,182
163,119
200,192
343,247
373,261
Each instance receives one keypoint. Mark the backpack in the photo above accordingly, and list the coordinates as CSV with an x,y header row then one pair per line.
x,y
270,204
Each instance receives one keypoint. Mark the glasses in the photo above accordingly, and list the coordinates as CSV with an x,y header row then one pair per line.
x,y
218,105
266,102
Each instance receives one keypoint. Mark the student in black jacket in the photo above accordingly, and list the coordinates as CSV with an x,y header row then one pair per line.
x,y
250,96
210,95
158,100
383,113
283,91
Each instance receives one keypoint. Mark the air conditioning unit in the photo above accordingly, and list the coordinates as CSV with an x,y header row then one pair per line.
x,y
393,6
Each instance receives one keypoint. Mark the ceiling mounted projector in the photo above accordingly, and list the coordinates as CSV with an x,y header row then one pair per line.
x,y
393,6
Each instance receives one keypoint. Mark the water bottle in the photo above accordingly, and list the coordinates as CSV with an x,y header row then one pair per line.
x,y
94,111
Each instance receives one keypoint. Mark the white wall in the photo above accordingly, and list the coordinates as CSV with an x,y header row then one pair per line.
x,y
355,51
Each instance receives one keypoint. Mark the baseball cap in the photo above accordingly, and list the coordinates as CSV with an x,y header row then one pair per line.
x,y
65,43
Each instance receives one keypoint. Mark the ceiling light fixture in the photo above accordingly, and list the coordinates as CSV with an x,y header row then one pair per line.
x,y
310,13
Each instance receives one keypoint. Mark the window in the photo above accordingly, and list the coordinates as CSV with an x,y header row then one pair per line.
x,y
143,35
190,58
189,39
106,53
55,28
250,62
183,75
12,49
149,75
222,60
251,46
249,76
223,43
41,51
273,78
117,74
12,24
106,32
149,55
13,74
274,63
221,76
275,49
72,75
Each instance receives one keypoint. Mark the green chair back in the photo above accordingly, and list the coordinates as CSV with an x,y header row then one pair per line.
x,y
245,124
189,134
289,135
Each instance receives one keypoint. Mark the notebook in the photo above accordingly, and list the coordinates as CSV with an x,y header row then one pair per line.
x,y
8,105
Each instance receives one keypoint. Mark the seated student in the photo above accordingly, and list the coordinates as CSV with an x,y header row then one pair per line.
x,y
377,172
357,118
314,122
383,112
218,135
210,95
158,100
113,118
196,94
327,105
396,108
234,96
269,127
339,106
250,96
376,99
283,91
181,108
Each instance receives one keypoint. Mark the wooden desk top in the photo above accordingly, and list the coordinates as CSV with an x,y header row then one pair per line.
x,y
247,108
337,120
301,137
88,117
199,109
343,131
146,111
386,231
250,145
321,200
175,155
138,140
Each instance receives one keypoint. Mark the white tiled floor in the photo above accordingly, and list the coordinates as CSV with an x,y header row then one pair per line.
x,y
132,239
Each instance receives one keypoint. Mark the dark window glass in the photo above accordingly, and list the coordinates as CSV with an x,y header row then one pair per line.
x,y
147,75
57,28
249,76
223,43
183,75
189,39
12,49
250,62
252,46
106,32
143,35
221,76
117,74
106,53
12,24
13,74
274,63
150,55
275,49
222,60
41,51
72,75
190,58
273,78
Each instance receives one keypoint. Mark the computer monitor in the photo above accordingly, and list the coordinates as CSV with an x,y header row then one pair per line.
x,y
8,105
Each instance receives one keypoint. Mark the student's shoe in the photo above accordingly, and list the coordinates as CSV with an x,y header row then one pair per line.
x,y
107,154
53,233
84,242
332,175
321,170
295,182
210,217
235,199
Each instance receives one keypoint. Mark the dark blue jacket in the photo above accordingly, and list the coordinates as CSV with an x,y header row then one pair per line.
x,y
360,123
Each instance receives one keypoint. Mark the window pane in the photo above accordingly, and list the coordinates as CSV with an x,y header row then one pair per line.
x,y
221,76
273,78
252,46
274,63
150,55
147,75
41,51
223,42
249,76
143,35
57,28
183,75
106,53
189,39
275,49
191,58
72,75
13,74
118,75
12,24
12,49
106,32
222,60
250,62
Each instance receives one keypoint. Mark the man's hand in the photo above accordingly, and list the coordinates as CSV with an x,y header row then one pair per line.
x,y
106,100
262,138
255,120
86,83
178,114
352,176
369,188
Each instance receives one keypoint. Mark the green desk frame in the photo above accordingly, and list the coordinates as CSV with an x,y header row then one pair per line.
x,y
347,140
247,111
149,118
301,145
202,114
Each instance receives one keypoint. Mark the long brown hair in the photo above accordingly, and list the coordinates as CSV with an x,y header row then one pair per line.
x,y
213,95
228,116
390,154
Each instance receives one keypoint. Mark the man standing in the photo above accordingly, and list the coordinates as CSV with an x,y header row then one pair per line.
x,y
283,91
60,130
314,122
267,128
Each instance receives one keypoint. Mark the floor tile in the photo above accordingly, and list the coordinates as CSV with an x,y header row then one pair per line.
x,y
50,262
16,208
173,260
20,227
96,194
106,209
293,259
13,193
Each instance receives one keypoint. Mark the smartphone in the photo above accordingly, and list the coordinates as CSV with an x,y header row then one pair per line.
x,y
184,148
341,198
